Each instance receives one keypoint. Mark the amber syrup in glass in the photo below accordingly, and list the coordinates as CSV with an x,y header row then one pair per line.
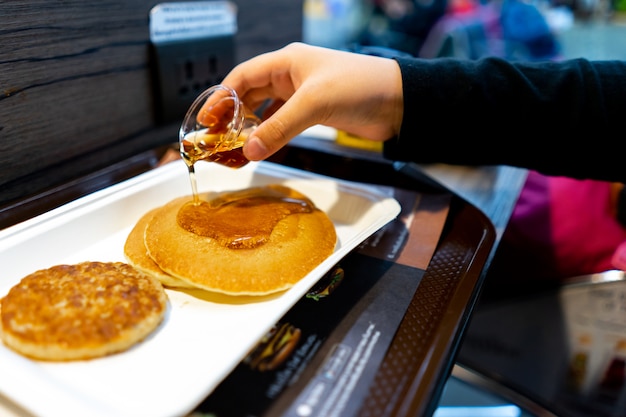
x,y
214,130
210,148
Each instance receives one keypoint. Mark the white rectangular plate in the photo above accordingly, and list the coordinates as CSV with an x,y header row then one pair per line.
x,y
203,337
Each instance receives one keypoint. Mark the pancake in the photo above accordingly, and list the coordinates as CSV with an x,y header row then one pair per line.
x,y
297,243
137,254
81,311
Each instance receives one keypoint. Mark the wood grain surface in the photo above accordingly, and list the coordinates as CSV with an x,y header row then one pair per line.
x,y
77,87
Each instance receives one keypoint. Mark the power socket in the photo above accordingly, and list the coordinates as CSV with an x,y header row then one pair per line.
x,y
185,68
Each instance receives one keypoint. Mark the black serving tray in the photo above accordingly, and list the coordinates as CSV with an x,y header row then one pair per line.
x,y
410,378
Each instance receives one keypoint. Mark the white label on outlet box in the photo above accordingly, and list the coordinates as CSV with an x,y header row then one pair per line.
x,y
192,20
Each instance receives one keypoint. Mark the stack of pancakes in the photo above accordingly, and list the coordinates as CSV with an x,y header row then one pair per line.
x,y
285,246
255,241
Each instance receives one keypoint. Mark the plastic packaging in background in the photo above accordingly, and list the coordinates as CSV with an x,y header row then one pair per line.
x,y
348,139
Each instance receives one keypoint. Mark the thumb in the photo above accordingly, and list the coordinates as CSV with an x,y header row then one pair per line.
x,y
254,149
277,130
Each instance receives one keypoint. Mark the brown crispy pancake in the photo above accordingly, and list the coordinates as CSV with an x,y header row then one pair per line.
x,y
297,244
81,311
137,254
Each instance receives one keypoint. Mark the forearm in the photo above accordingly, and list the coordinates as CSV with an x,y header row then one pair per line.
x,y
491,111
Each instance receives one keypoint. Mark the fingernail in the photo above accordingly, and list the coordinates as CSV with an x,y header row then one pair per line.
x,y
254,149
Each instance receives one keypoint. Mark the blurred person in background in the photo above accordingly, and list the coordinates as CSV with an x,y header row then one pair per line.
x,y
512,29
402,25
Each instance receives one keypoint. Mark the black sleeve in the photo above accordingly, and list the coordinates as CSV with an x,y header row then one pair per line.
x,y
561,118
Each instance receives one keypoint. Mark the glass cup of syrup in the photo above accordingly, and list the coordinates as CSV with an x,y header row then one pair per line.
x,y
216,127
214,130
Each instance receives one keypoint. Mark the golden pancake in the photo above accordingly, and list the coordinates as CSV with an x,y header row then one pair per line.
x,y
82,311
137,254
297,242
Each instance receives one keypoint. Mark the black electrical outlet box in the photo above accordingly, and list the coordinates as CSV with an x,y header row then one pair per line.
x,y
193,48
183,69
